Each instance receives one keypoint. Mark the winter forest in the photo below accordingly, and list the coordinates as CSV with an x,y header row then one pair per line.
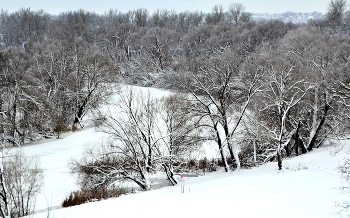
x,y
261,91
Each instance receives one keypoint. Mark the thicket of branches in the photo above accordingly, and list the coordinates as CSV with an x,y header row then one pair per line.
x,y
21,179
260,91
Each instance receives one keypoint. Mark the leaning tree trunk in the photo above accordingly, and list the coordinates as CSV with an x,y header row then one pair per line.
x,y
79,114
314,137
3,194
221,149
233,154
170,174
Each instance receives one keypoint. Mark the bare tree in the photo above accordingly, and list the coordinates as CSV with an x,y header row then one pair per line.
x,y
237,12
183,22
197,18
21,94
141,17
23,27
4,196
135,149
183,133
23,180
222,93
216,16
158,48
91,87
343,168
324,60
164,18
284,90
335,13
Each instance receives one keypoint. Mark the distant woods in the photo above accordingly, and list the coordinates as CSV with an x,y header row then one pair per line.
x,y
261,90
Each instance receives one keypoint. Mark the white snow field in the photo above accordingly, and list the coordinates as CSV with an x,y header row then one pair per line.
x,y
306,187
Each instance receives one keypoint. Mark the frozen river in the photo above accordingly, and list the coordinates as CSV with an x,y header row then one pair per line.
x,y
54,155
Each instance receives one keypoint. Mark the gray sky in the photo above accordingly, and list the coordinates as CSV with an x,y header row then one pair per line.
x,y
100,6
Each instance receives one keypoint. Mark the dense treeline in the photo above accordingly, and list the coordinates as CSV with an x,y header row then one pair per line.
x,y
259,90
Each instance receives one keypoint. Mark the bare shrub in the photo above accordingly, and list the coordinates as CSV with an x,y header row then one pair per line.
x,y
196,166
342,208
23,180
85,195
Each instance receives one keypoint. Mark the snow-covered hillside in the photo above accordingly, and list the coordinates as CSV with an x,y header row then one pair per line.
x,y
306,187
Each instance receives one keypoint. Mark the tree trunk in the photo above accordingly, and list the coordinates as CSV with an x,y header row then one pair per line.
x,y
236,159
296,139
287,150
221,149
254,146
81,109
3,193
279,159
229,145
302,146
5,210
144,184
147,182
13,123
170,174
296,145
313,140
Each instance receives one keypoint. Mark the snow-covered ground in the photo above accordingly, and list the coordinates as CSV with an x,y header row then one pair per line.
x,y
306,187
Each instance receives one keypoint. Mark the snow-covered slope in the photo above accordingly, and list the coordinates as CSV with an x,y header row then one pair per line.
x,y
307,189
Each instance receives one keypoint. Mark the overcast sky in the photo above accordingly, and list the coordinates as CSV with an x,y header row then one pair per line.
x,y
101,6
